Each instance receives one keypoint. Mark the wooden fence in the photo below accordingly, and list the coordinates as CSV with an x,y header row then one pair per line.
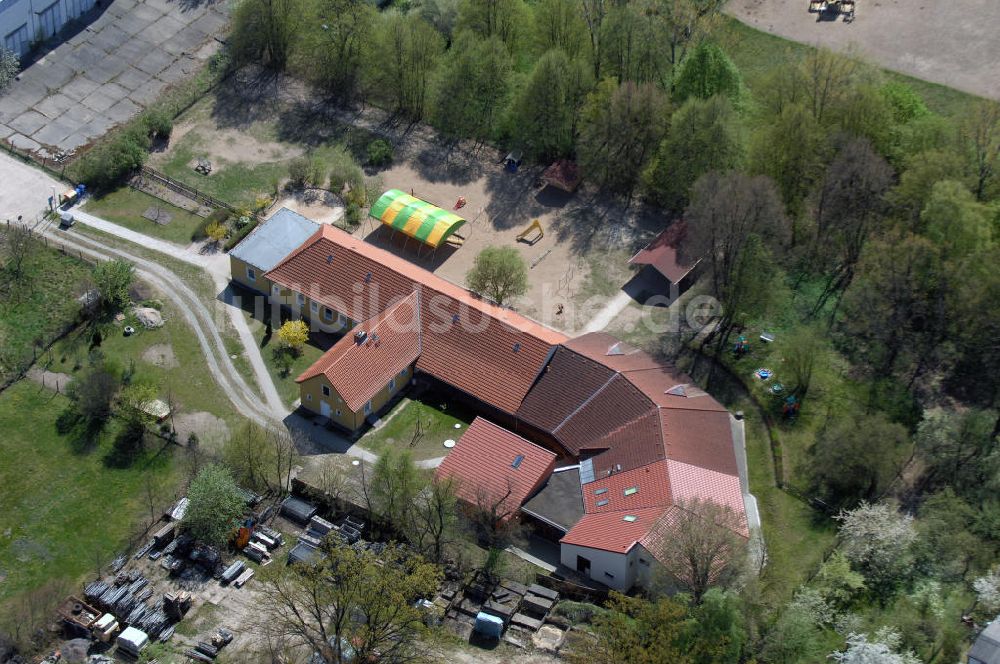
x,y
185,190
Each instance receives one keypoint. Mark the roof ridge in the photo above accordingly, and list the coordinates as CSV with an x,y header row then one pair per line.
x,y
585,402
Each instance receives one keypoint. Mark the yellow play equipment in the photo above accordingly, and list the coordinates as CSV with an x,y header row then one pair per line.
x,y
534,226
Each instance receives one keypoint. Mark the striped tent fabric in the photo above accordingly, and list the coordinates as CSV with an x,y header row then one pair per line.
x,y
416,218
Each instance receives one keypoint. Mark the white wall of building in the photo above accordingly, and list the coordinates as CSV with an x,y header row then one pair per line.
x,y
25,21
615,570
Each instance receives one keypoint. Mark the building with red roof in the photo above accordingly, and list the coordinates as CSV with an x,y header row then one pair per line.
x,y
636,439
496,470
666,271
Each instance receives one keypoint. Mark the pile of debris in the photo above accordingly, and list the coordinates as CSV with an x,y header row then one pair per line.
x,y
208,651
348,531
127,597
490,608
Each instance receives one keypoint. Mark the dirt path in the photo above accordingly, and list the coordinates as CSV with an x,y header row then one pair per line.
x,y
604,317
953,43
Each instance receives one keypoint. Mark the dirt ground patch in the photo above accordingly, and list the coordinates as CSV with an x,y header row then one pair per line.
x,y
231,145
212,431
51,379
953,43
162,355
316,204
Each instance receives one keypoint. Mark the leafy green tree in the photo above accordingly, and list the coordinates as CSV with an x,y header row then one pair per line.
x,y
715,632
980,132
636,631
543,114
93,393
394,486
10,65
113,280
955,221
473,85
838,584
631,47
507,20
559,25
316,606
681,23
708,72
704,135
500,273
959,450
263,32
904,101
921,172
795,637
792,151
948,549
215,508
856,458
620,128
337,45
864,111
803,349
407,53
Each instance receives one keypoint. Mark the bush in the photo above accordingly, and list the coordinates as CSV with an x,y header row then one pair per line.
x,y
237,237
380,153
298,171
353,214
200,232
343,170
108,164
157,122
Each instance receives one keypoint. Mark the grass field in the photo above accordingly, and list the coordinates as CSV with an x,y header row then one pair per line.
x,y
126,206
36,308
62,510
437,418
756,52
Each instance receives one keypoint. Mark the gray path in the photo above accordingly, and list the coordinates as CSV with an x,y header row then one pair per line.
x,y
953,43
108,72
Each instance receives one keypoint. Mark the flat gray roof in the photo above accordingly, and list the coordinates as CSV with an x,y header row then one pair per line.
x,y
986,648
560,500
269,243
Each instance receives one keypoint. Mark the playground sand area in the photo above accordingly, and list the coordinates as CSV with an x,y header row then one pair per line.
x,y
574,269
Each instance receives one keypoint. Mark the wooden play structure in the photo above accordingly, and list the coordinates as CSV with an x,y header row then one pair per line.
x,y
845,8
534,227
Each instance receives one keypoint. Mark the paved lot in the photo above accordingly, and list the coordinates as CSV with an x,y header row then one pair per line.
x,y
954,42
108,72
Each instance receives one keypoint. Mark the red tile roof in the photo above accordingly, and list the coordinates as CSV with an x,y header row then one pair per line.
x,y
689,483
487,351
609,531
357,371
664,254
482,462
608,494
663,528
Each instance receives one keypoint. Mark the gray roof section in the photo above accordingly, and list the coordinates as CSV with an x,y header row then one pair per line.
x,y
274,239
986,648
560,502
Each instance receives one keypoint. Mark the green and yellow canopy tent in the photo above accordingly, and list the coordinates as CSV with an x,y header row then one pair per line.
x,y
416,218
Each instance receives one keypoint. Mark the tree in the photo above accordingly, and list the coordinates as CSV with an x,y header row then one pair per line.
x,y
631,47
980,131
881,649
93,393
406,56
215,508
499,273
700,546
921,172
337,44
715,630
802,349
504,19
955,221
987,589
395,484
730,218
826,78
708,72
543,114
10,65
558,26
856,458
216,232
948,549
636,631
18,248
317,606
620,128
837,583
294,334
434,518
473,84
113,280
878,541
681,23
849,208
959,449
263,32
704,136
261,458
791,150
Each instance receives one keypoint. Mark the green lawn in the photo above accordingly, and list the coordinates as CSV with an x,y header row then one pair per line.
x,y
437,417
756,52
126,207
61,509
37,307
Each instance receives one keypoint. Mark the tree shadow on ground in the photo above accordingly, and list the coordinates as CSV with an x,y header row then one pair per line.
x,y
83,433
249,95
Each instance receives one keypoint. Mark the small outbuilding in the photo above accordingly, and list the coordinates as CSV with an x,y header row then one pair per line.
x,y
666,271
563,174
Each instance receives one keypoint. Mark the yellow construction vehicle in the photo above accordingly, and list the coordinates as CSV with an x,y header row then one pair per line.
x,y
534,226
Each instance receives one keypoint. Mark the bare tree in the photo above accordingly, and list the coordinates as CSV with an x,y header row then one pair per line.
x,y
301,606
699,545
981,131
17,247
434,517
827,78
333,480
